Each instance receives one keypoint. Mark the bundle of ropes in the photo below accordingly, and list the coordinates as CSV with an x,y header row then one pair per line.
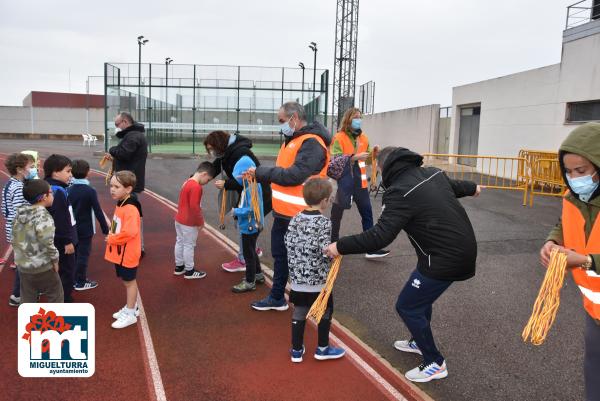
x,y
105,159
547,301
222,210
317,310
373,170
254,197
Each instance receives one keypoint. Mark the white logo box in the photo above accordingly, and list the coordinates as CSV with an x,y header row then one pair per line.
x,y
56,340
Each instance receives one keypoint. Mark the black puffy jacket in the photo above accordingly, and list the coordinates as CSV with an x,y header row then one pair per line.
x,y
131,153
234,152
423,202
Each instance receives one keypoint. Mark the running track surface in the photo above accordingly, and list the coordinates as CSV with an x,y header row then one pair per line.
x,y
202,341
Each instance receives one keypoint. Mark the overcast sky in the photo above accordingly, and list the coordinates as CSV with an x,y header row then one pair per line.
x,y
415,51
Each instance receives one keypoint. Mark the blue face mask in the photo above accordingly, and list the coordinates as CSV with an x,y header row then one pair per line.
x,y
583,186
356,122
32,174
286,129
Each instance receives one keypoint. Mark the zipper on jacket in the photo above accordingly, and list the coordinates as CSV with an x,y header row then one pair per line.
x,y
421,249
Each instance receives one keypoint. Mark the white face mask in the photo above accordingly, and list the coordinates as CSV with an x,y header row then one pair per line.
x,y
117,130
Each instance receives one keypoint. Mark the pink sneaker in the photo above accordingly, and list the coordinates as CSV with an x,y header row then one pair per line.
x,y
259,251
236,265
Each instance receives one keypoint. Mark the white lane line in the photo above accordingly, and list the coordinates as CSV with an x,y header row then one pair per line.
x,y
361,363
157,382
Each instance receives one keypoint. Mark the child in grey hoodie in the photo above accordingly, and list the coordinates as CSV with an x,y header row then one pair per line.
x,y
36,256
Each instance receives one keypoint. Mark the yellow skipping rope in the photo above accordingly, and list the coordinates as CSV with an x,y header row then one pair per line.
x,y
547,301
317,310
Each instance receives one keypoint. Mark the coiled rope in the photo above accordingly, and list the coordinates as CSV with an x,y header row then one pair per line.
x,y
547,301
317,310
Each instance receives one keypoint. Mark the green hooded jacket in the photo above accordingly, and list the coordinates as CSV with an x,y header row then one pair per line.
x,y
584,141
33,240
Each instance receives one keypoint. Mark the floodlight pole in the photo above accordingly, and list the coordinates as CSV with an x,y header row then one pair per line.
x,y
301,65
313,47
168,61
141,41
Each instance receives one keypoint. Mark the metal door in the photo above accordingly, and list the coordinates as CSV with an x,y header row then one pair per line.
x,y
468,134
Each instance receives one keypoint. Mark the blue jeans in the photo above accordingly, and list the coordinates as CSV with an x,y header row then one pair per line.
x,y
592,359
414,305
17,284
279,252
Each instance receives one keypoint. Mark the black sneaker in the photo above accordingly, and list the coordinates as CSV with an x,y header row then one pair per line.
x,y
179,270
194,274
86,285
260,278
382,253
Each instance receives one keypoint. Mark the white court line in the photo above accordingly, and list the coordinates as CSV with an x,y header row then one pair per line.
x,y
361,363
157,382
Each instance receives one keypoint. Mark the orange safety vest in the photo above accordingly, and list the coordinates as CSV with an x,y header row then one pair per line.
x,y
588,281
362,144
124,246
288,201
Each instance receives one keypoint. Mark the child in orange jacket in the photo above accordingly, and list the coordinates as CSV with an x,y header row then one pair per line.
x,y
124,245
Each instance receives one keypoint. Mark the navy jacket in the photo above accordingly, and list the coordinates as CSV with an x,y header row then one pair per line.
x,y
131,153
62,213
85,200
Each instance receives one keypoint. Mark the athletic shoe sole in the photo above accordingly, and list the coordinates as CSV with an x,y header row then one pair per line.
x,y
116,314
85,288
407,349
437,376
195,276
277,308
326,357
130,323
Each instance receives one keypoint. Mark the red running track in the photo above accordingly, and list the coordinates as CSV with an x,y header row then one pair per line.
x,y
202,341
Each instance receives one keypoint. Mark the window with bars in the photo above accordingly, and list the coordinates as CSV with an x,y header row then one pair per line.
x,y
583,111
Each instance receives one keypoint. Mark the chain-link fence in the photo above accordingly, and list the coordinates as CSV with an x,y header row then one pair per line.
x,y
180,104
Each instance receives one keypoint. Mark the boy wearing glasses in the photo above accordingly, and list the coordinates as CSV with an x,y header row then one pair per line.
x,y
33,243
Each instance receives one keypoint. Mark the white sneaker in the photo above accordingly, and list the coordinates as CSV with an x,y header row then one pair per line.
x,y
122,310
126,319
407,346
425,373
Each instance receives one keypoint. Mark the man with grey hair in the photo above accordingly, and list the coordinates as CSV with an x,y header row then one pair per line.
x,y
423,202
130,153
304,154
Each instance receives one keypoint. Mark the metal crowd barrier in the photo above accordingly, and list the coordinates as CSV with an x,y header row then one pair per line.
x,y
493,172
546,179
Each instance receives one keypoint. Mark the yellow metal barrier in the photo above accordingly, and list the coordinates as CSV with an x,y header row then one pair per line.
x,y
546,179
491,171
524,174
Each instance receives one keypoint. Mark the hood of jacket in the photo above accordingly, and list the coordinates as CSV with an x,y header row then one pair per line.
x,y
241,167
400,160
135,127
583,141
28,214
315,128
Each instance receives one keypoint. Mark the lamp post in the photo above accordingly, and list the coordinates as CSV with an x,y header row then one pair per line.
x,y
141,41
313,47
301,65
168,60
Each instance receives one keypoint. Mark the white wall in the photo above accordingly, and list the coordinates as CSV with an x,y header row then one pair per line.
x,y
527,110
414,128
49,120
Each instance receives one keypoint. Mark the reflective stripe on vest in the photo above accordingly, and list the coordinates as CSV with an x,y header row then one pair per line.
x,y
574,237
362,144
289,201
